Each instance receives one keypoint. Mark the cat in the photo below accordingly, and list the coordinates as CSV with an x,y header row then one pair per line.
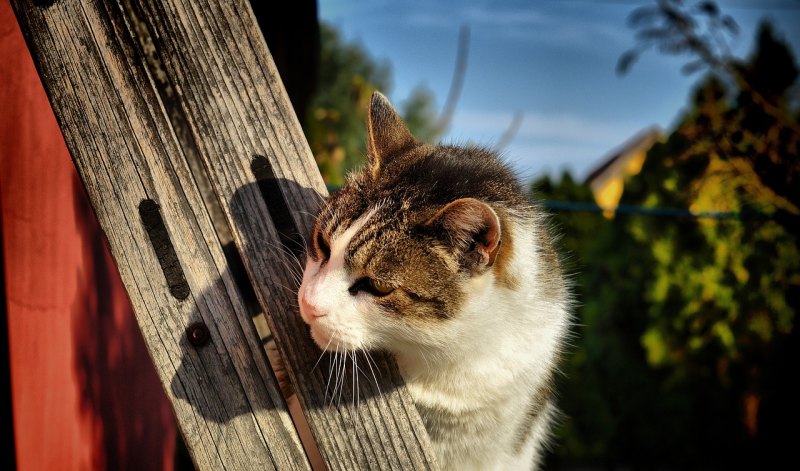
x,y
435,254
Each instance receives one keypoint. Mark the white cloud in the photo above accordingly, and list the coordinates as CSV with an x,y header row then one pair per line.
x,y
533,161
526,23
562,127
503,16
544,144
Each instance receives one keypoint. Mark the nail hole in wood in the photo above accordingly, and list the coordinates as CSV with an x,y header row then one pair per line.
x,y
276,205
198,334
165,251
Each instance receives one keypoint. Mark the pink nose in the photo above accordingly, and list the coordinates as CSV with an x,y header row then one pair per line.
x,y
309,309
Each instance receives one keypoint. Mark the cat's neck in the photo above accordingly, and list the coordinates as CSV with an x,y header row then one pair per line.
x,y
503,339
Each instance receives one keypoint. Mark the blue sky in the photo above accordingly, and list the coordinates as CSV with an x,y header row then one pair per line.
x,y
551,60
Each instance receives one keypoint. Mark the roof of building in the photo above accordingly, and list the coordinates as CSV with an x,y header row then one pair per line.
x,y
616,159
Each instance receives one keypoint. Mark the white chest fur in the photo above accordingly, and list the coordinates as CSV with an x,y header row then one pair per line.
x,y
486,400
480,379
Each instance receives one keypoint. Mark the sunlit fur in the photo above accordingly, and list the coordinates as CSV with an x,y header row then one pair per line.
x,y
476,335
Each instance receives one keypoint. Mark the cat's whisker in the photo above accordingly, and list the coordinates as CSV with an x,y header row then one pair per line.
x,y
334,370
331,361
288,289
284,255
355,373
303,238
345,359
321,199
415,239
295,286
306,213
353,383
298,278
337,388
424,357
294,276
356,362
279,248
324,350
325,210
295,268
338,374
370,362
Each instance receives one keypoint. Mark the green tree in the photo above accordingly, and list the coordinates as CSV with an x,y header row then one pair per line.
x,y
335,125
615,413
687,326
761,131
722,295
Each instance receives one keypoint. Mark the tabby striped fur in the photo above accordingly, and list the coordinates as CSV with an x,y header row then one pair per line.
x,y
435,254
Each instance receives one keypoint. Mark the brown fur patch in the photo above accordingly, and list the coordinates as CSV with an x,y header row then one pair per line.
x,y
425,279
406,183
502,263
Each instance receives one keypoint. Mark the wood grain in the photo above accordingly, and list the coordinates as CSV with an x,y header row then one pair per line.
x,y
238,113
223,393
147,93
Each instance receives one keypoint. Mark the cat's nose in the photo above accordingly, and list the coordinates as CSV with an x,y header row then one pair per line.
x,y
308,309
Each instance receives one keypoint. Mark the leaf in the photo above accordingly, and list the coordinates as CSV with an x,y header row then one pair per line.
x,y
693,66
708,8
730,24
675,47
626,60
642,16
677,18
652,34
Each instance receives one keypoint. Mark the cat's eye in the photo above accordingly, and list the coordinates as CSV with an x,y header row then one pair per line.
x,y
371,286
322,245
380,287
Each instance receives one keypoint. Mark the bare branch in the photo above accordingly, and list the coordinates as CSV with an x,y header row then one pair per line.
x,y
457,85
510,132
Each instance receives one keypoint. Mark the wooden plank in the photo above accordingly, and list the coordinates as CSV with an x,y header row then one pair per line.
x,y
228,406
269,187
236,109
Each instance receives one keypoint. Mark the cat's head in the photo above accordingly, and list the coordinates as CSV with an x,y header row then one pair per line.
x,y
405,244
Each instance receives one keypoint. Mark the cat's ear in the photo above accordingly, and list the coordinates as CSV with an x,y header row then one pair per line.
x,y
387,134
473,228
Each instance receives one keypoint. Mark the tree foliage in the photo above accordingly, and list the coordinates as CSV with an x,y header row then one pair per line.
x,y
760,130
335,125
688,325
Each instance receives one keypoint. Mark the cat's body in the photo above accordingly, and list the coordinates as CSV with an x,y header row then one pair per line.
x,y
434,254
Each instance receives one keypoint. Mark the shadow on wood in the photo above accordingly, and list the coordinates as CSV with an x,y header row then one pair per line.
x,y
347,386
99,62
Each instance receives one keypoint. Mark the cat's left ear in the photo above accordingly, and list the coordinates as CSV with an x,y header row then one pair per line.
x,y
387,134
473,228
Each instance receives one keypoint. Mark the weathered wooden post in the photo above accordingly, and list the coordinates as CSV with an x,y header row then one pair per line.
x,y
173,111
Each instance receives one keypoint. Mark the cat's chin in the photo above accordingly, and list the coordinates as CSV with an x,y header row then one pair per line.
x,y
322,339
330,342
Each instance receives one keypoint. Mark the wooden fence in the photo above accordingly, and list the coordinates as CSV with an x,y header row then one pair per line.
x,y
194,162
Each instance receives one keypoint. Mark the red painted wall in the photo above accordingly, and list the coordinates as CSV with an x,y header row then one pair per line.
x,y
84,393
